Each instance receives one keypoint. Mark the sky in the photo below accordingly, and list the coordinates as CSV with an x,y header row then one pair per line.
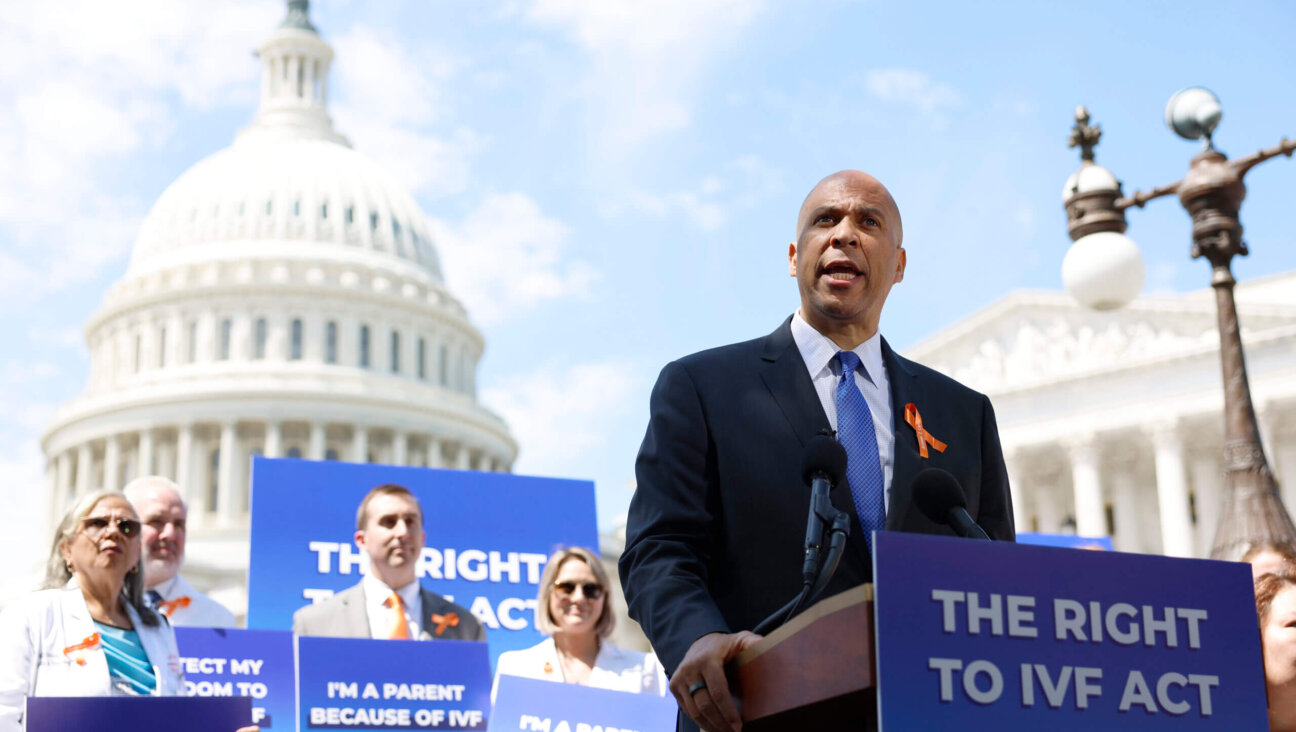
x,y
614,184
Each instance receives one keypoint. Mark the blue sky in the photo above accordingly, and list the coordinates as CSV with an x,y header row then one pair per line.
x,y
614,183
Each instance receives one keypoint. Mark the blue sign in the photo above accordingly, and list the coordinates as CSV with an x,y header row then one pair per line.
x,y
529,705
1066,541
488,538
980,635
353,683
220,662
134,713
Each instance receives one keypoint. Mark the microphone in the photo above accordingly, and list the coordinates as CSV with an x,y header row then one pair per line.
x,y
823,466
940,498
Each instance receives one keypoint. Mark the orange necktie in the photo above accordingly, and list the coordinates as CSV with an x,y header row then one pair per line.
x,y
397,624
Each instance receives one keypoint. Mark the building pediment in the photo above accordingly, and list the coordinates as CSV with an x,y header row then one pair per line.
x,y
1030,338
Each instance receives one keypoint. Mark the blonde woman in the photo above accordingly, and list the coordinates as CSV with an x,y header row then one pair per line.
x,y
575,609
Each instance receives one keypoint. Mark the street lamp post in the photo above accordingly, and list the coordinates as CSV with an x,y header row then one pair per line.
x,y
1104,270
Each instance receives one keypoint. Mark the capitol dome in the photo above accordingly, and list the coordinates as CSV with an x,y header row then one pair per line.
x,y
284,298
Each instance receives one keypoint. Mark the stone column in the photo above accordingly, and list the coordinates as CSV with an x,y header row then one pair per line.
x,y
225,475
1172,491
400,448
273,447
359,444
112,463
318,442
463,459
1127,537
1047,509
434,459
184,463
144,461
1091,516
1021,517
1207,478
64,491
84,467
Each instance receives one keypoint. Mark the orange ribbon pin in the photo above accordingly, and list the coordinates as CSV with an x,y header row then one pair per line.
x,y
91,642
449,620
169,606
925,438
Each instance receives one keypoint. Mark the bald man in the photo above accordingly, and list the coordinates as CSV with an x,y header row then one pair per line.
x,y
716,529
163,513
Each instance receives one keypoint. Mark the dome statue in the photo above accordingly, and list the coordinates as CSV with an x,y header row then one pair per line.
x,y
284,298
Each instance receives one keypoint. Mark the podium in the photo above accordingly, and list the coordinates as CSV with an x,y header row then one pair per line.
x,y
818,671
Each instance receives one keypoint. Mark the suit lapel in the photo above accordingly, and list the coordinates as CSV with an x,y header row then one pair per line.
x,y
785,375
905,388
789,383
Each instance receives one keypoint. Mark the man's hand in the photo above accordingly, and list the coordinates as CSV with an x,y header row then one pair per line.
x,y
710,706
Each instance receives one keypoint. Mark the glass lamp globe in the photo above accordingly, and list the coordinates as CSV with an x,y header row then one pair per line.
x,y
1194,113
1103,271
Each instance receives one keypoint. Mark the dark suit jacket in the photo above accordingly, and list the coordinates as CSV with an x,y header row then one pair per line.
x,y
343,616
716,529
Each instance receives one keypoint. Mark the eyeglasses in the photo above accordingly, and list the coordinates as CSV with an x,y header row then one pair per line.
x,y
95,526
590,590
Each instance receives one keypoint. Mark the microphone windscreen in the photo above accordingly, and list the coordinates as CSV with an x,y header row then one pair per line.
x,y
824,455
935,492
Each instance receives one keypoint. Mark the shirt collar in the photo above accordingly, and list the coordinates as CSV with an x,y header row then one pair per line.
x,y
818,350
166,588
377,591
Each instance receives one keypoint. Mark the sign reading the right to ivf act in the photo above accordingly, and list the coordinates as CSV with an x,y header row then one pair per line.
x,y
528,705
979,635
356,683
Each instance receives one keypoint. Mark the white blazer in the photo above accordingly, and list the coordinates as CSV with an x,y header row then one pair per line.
x,y
39,655
198,610
618,669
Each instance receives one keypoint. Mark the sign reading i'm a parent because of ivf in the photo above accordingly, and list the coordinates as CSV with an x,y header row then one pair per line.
x,y
979,635
488,538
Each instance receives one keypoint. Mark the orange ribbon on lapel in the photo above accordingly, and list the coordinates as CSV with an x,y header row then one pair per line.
x,y
166,607
90,643
925,438
449,620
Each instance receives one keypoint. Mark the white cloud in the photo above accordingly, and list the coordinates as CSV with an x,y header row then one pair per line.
x,y
506,256
743,183
563,416
647,58
916,89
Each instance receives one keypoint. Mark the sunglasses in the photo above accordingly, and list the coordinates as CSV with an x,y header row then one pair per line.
x,y
590,590
95,526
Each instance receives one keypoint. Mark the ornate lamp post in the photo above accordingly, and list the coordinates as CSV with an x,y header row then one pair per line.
x,y
1104,270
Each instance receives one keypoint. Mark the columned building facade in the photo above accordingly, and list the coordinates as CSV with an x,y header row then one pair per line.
x,y
284,299
1112,422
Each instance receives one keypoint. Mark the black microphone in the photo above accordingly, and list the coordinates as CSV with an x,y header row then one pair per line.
x,y
823,467
940,498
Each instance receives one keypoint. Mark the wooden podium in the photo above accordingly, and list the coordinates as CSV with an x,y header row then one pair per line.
x,y
815,672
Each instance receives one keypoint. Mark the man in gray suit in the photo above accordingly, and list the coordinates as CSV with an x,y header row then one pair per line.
x,y
389,603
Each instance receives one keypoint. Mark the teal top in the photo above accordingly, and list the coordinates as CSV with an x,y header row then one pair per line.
x,y
128,664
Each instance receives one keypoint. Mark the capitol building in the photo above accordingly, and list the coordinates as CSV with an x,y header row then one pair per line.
x,y
284,298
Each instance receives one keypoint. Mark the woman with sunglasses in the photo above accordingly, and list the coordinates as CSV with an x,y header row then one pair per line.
x,y
575,610
89,632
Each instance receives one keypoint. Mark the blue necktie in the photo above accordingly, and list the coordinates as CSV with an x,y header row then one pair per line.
x,y
153,598
863,465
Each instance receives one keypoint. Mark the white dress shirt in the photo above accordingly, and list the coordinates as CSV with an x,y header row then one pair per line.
x,y
199,611
819,353
376,593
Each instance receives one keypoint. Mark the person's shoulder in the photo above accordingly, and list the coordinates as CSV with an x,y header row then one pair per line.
x,y
36,601
202,603
326,608
723,359
932,378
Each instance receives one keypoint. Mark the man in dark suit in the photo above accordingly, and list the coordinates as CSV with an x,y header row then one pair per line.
x,y
389,603
716,528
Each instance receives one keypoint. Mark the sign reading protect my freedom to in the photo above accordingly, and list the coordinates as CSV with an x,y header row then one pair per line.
x,y
488,538
259,664
987,635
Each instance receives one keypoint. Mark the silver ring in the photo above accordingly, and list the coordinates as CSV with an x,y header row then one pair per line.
x,y
695,688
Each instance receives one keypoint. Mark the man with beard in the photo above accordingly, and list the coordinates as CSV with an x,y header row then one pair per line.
x,y
714,536
162,514
389,603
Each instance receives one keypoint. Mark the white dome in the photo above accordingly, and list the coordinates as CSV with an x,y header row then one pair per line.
x,y
1090,177
286,189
